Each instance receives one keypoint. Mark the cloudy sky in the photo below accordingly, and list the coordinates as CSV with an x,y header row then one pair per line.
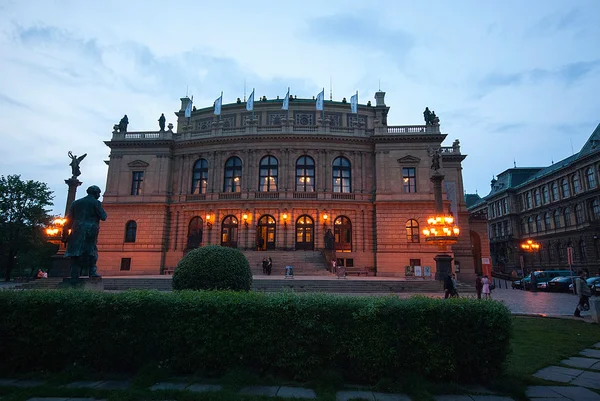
x,y
513,80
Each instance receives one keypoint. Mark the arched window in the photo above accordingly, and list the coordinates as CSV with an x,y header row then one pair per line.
x,y
554,191
576,184
567,215
194,237
229,232
565,188
305,174
267,181
556,219
342,231
578,214
412,230
591,178
528,198
130,231
538,223
544,194
551,252
200,177
305,228
233,175
342,175
595,209
547,221
536,197
530,224
561,251
523,231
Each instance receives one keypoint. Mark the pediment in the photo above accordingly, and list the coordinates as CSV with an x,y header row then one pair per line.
x,y
138,163
409,160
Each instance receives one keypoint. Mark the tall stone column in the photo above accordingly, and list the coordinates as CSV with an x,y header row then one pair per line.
x,y
443,262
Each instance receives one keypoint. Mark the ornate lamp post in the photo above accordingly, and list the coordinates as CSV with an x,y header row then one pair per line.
x,y
440,229
530,246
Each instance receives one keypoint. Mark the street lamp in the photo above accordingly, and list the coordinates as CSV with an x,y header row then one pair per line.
x,y
530,246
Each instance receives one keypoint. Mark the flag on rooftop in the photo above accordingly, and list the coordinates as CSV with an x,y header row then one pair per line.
x,y
354,103
286,101
218,104
320,99
250,102
188,108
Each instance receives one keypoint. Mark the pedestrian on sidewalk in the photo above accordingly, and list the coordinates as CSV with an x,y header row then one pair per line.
x,y
584,292
485,289
478,285
448,286
454,288
533,282
264,265
269,266
333,266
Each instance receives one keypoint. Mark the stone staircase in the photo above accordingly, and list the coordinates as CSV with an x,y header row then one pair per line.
x,y
311,263
50,283
370,285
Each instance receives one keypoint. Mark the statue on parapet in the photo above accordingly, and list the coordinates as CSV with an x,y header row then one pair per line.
x,y
75,170
83,222
161,122
122,127
430,117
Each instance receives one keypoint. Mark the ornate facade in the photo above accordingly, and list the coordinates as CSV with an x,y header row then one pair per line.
x,y
277,181
556,206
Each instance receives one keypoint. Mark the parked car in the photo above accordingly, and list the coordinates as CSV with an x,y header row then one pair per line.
x,y
593,283
542,278
560,284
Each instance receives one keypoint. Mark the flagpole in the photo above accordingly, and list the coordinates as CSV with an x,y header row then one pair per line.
x,y
253,105
357,107
323,111
287,111
221,111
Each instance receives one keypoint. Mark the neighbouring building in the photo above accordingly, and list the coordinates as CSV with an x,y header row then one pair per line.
x,y
271,181
557,207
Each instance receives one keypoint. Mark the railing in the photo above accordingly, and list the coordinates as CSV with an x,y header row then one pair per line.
x,y
413,129
339,196
266,195
141,135
305,195
196,197
230,195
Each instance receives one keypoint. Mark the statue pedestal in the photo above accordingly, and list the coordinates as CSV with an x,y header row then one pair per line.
x,y
82,283
73,183
443,266
60,266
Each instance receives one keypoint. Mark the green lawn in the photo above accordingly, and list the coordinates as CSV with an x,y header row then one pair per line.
x,y
537,343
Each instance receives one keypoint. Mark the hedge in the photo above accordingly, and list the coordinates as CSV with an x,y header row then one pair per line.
x,y
290,336
213,267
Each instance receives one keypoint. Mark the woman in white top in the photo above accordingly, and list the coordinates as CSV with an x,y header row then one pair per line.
x,y
486,287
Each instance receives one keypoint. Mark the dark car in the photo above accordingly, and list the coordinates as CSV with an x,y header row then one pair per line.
x,y
593,283
542,277
560,284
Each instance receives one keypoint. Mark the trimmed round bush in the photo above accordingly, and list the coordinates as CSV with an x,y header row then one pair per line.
x,y
213,268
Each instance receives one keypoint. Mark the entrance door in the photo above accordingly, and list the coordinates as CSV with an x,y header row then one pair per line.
x,y
343,234
265,233
305,227
229,230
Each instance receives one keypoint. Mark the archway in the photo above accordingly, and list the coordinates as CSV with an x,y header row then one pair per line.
x,y
305,228
343,234
476,245
265,233
229,232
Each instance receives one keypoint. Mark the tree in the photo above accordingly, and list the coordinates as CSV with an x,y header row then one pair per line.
x,y
23,215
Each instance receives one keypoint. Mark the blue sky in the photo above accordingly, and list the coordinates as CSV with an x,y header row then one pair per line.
x,y
512,80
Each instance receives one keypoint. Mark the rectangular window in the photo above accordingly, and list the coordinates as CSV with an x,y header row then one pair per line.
x,y
136,182
409,179
349,262
125,264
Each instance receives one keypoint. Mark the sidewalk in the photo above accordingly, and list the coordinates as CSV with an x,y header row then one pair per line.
x,y
578,379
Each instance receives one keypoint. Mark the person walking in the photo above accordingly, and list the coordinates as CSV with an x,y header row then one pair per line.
x,y
448,286
485,288
264,265
584,292
333,266
533,282
269,266
478,285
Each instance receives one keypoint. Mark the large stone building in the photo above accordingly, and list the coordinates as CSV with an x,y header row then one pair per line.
x,y
556,206
272,181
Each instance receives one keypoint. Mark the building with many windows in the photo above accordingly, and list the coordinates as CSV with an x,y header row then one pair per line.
x,y
284,183
556,206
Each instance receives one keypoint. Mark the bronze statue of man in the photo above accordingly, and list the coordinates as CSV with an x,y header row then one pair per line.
x,y
161,122
427,116
83,219
75,164
123,124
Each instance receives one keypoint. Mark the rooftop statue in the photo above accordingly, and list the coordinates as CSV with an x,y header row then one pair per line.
x,y
161,122
435,160
123,124
75,164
